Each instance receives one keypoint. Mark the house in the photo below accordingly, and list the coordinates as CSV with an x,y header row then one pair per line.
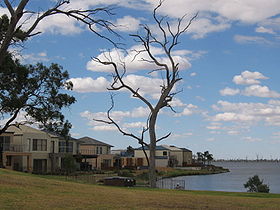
x,y
166,156
162,155
96,153
32,150
179,156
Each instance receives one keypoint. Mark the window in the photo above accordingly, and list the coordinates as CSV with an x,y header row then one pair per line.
x,y
70,146
164,153
5,142
98,150
63,146
9,161
39,145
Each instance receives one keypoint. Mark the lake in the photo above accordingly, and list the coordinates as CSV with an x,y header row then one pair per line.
x,y
238,175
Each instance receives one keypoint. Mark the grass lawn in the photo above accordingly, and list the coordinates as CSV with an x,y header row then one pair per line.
x,y
27,191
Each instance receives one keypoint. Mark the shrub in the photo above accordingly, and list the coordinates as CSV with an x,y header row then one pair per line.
x,y
254,184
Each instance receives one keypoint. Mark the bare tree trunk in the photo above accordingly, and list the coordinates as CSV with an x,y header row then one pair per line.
x,y
152,167
170,76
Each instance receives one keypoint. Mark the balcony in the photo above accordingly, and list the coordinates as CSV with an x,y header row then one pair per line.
x,y
14,148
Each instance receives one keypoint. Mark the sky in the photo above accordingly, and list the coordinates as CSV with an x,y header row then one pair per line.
x,y
229,100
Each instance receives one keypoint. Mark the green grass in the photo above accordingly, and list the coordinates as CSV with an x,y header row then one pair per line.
x,y
28,191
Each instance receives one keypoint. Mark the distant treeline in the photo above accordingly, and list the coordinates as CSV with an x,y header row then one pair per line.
x,y
246,160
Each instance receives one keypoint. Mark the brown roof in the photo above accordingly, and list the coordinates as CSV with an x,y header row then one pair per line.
x,y
90,141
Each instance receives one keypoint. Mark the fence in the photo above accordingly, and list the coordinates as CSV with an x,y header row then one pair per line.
x,y
171,184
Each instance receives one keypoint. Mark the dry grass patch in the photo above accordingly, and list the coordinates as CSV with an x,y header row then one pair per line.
x,y
23,191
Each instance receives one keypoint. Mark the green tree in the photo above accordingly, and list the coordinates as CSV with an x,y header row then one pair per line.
x,y
69,164
35,90
254,184
207,156
200,157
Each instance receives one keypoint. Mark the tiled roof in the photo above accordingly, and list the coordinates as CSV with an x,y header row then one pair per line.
x,y
185,150
90,141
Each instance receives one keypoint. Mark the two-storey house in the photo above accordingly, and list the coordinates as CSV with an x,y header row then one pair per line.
x,y
96,153
32,150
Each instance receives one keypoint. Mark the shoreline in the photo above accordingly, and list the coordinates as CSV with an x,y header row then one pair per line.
x,y
203,171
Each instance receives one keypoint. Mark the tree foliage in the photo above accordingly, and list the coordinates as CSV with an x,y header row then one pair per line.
x,y
69,164
204,157
35,90
254,184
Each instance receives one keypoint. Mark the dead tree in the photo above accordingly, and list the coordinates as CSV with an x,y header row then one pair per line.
x,y
87,17
170,73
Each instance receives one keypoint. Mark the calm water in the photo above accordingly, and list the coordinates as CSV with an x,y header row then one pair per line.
x,y
238,175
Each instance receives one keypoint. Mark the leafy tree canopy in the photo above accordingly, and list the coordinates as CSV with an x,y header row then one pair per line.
x,y
36,90
254,184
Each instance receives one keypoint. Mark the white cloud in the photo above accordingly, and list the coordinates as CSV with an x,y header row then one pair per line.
x,y
190,109
104,128
202,26
137,112
21,118
262,29
33,57
229,91
117,116
271,25
251,139
140,112
134,61
145,85
177,103
193,74
249,11
230,116
87,84
274,102
249,113
248,78
214,15
233,132
127,24
135,125
182,135
200,98
212,127
55,24
260,91
251,40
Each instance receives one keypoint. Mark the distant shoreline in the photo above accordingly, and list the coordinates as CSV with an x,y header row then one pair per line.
x,y
244,160
203,171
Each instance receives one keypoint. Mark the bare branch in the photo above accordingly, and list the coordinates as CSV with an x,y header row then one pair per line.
x,y
164,137
87,17
113,122
10,8
7,124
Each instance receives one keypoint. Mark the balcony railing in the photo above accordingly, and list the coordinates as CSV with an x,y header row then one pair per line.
x,y
14,148
93,152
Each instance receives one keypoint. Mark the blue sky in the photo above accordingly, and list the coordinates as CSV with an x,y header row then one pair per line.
x,y
229,60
